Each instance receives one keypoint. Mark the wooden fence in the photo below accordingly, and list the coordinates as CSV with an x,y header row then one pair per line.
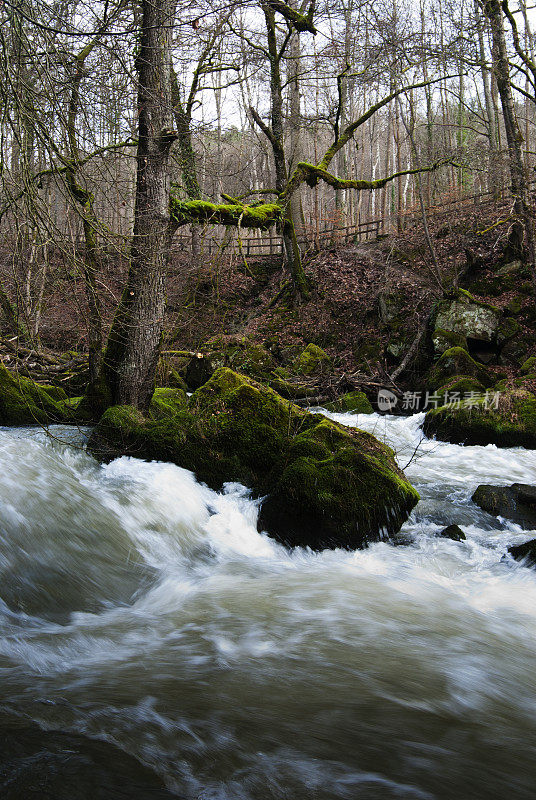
x,y
327,234
265,246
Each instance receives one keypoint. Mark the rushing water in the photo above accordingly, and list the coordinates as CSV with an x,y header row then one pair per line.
x,y
140,607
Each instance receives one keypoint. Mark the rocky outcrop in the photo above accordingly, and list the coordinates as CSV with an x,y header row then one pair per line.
x,y
456,362
323,485
516,503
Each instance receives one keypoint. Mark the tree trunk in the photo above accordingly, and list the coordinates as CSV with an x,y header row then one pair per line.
x,y
523,228
133,346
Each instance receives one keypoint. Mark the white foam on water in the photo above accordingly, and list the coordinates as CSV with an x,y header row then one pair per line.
x,y
137,604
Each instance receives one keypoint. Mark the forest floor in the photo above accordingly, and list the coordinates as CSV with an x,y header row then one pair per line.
x,y
368,301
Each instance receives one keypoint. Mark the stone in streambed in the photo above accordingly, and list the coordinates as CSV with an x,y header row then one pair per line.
x,y
453,532
516,502
524,552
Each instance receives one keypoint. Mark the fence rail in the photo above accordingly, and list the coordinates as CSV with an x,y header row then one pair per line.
x,y
262,247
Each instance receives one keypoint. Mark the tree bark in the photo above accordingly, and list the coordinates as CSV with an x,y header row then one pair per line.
x,y
133,346
523,228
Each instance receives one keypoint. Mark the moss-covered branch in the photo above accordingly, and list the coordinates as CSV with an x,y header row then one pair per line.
x,y
312,175
261,217
302,23
349,131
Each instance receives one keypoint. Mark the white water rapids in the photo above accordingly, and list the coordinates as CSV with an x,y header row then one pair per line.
x,y
140,607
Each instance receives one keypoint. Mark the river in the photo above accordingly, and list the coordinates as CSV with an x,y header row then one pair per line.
x,y
140,607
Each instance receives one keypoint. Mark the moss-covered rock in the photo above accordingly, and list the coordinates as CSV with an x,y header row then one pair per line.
x,y
55,392
506,420
237,352
23,402
167,401
291,386
464,316
514,307
312,361
324,485
507,330
456,362
460,385
443,340
352,402
529,366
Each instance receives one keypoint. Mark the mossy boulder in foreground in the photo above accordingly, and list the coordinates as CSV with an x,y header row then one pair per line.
x,y
507,420
23,402
323,485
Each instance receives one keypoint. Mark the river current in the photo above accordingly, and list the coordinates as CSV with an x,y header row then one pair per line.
x,y
140,607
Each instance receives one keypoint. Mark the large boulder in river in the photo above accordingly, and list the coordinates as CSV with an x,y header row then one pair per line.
x,y
506,419
323,485
516,503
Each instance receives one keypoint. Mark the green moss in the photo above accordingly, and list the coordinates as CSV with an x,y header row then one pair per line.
x,y
443,340
453,362
261,217
475,421
312,361
528,366
507,330
23,402
55,392
514,306
356,402
324,484
236,352
293,389
166,401
461,384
